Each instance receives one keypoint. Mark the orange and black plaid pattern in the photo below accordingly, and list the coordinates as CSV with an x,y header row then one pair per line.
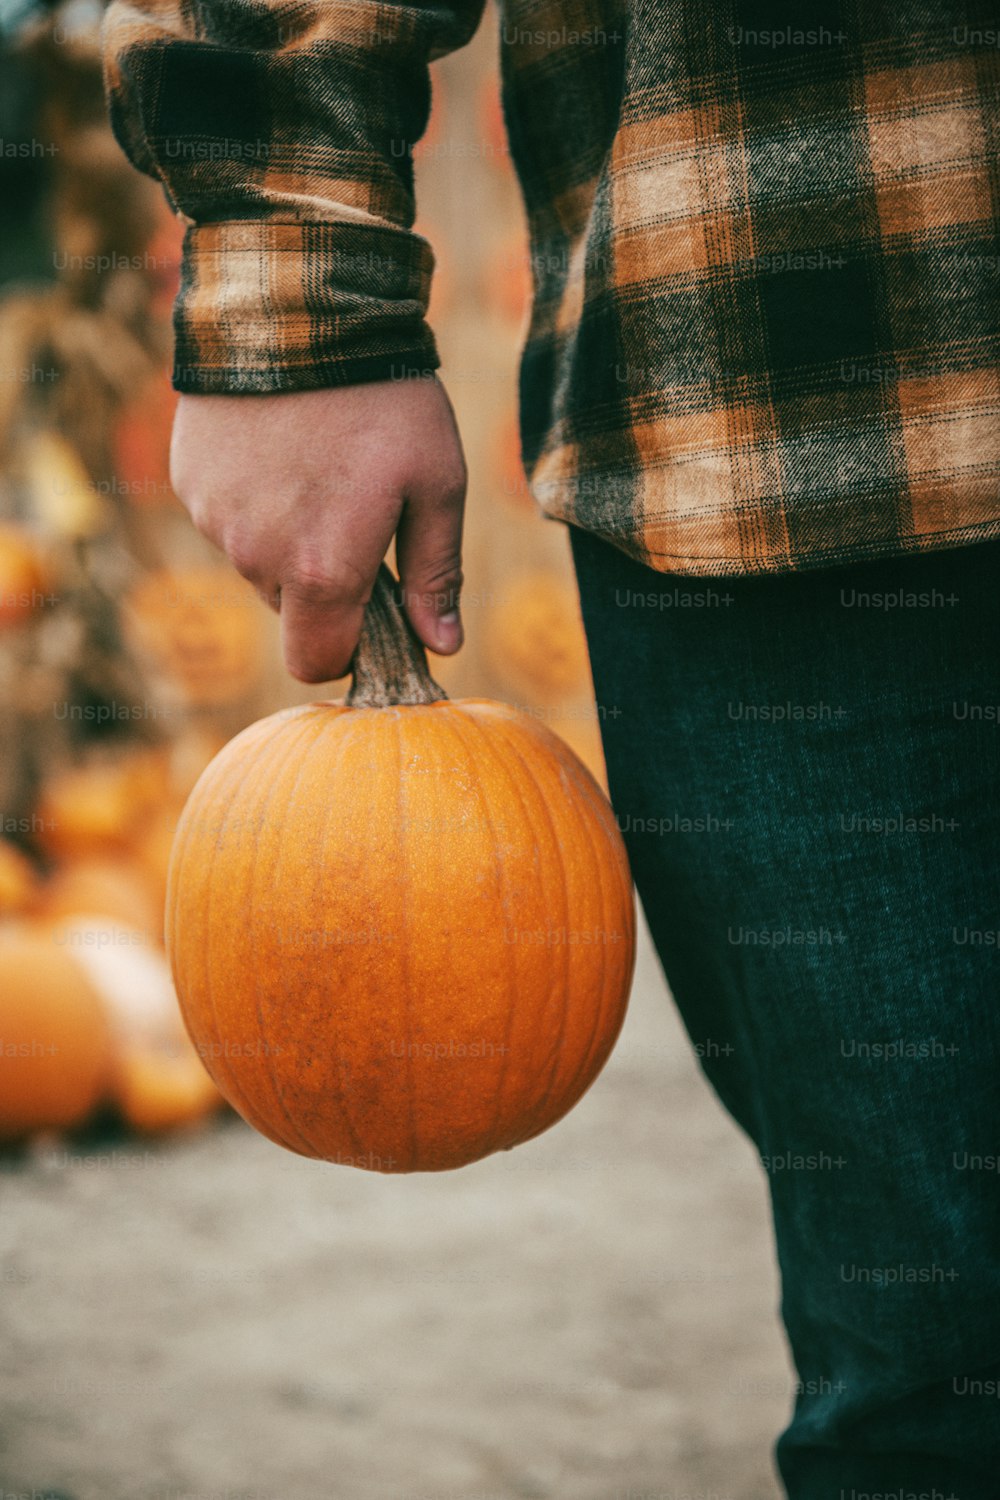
x,y
764,235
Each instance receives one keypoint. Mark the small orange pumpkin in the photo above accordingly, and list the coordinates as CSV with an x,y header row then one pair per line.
x,y
164,1088
202,629
18,879
401,928
96,808
55,1044
23,578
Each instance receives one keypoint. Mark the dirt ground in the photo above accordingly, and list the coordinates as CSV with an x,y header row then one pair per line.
x,y
590,1317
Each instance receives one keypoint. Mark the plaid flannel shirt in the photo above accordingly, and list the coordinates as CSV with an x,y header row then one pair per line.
x,y
766,306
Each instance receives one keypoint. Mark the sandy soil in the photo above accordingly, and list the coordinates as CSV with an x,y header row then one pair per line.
x,y
590,1317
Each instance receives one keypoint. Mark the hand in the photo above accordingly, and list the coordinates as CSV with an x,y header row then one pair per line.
x,y
305,491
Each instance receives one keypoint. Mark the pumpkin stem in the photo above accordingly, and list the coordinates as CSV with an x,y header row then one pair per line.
x,y
390,665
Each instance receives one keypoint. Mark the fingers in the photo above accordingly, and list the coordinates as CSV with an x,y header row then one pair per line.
x,y
429,557
322,610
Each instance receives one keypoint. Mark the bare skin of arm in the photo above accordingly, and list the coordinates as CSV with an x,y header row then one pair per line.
x,y
304,492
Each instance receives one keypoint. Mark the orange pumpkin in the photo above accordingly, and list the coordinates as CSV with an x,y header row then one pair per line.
x,y
23,577
161,1089
202,629
97,808
401,928
535,638
18,880
55,1044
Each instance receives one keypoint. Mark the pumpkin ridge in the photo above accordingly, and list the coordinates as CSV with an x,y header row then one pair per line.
x,y
184,835
272,791
306,731
404,924
510,740
209,988
594,799
453,723
348,725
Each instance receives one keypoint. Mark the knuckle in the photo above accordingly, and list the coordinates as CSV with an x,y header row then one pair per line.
x,y
316,581
244,557
310,585
436,587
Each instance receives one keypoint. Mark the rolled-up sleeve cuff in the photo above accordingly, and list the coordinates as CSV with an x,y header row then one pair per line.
x,y
266,307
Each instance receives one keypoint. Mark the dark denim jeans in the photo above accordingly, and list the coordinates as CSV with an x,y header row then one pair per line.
x,y
806,771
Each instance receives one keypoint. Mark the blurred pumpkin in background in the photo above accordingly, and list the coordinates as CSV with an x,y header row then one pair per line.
x,y
55,1041
97,808
23,577
202,629
18,879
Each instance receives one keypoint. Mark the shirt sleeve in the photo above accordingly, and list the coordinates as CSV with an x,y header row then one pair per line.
x,y
282,131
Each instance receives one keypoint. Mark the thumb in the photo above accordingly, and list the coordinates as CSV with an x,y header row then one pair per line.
x,y
429,560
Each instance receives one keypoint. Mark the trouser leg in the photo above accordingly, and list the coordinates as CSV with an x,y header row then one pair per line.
x,y
807,785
